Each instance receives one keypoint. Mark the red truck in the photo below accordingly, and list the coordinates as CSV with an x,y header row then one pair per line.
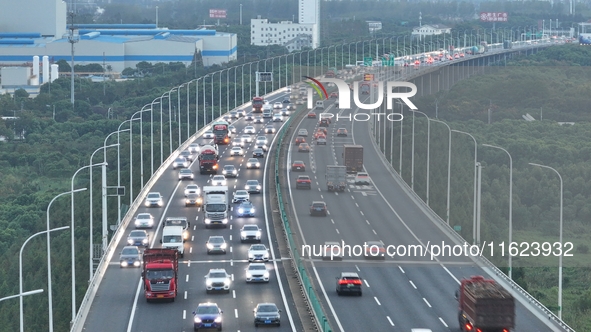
x,y
160,274
485,306
257,104
221,132
208,159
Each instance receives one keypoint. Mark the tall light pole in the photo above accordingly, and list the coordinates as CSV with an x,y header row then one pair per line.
x,y
170,119
165,95
448,167
151,134
20,272
401,126
475,183
91,209
510,201
119,170
412,157
428,149
560,240
49,292
72,239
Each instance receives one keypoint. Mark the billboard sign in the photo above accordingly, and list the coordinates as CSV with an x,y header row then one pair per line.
x,y
493,16
217,13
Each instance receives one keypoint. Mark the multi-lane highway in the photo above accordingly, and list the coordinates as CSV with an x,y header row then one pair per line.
x,y
399,293
120,305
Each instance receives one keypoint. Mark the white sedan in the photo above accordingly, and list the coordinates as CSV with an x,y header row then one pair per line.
x,y
208,134
192,189
236,151
246,138
218,180
277,105
249,130
258,253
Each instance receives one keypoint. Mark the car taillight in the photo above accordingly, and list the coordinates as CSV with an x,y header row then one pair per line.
x,y
468,327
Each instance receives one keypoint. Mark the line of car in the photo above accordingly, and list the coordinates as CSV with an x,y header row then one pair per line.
x,y
206,315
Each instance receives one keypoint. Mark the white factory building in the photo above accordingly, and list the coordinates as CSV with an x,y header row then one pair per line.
x,y
292,35
39,28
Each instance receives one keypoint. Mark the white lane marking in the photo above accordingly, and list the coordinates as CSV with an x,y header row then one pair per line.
x,y
190,250
230,249
442,322
184,314
428,304
332,220
401,269
337,231
192,238
374,231
230,237
232,276
375,298
366,284
390,320
185,296
356,204
412,284
231,263
361,212
321,196
230,227
357,267
236,313
367,221
187,278
233,294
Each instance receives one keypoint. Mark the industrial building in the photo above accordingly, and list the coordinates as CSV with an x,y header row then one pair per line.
x,y
292,35
31,28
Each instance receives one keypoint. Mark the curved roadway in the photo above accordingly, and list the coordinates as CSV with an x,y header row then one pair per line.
x,y
120,305
400,293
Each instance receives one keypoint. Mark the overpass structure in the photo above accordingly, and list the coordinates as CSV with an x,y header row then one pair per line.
x,y
386,210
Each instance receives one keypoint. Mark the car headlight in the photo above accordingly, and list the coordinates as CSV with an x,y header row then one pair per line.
x,y
259,187
243,234
224,183
252,210
197,320
258,233
147,203
215,167
130,241
208,282
224,172
266,274
241,211
123,263
246,187
234,172
160,202
209,246
218,319
225,221
187,201
137,222
227,281
223,246
258,165
136,263
250,255
248,275
145,241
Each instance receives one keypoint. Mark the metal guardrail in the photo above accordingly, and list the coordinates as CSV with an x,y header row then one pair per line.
x,y
309,291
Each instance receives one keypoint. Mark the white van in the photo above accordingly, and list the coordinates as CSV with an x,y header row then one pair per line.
x,y
172,238
320,104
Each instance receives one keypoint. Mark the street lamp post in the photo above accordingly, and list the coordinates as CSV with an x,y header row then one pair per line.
x,y
560,240
36,291
165,95
48,231
179,107
131,153
169,121
151,134
428,149
72,239
510,201
475,236
20,272
448,167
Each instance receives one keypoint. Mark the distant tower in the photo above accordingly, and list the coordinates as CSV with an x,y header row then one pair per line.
x,y
420,18
309,13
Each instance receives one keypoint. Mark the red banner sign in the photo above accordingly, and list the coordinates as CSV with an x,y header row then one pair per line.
x,y
493,16
217,13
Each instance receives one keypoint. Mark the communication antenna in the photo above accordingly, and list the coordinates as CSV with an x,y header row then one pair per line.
x,y
73,38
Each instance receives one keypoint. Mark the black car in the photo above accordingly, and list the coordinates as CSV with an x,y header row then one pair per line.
x,y
349,283
258,153
318,208
267,314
